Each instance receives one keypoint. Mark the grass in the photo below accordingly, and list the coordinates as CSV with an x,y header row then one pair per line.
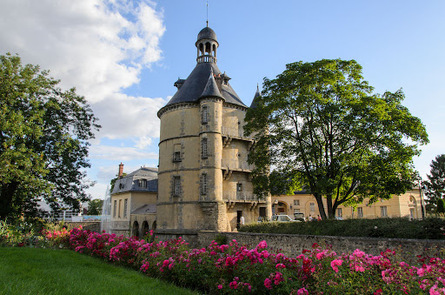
x,y
430,228
46,271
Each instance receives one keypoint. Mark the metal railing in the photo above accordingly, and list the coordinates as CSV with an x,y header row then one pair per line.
x,y
235,165
239,196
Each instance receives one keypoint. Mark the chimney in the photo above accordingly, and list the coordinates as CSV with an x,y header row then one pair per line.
x,y
121,170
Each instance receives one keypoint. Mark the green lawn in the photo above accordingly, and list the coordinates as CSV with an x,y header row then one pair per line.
x,y
46,271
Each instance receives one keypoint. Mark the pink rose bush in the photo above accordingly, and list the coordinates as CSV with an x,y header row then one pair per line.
x,y
237,269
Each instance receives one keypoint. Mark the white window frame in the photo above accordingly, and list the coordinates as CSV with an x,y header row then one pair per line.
x,y
312,207
126,207
383,211
360,212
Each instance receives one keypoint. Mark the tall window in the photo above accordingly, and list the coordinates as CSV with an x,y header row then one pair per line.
x,y
204,115
176,185
114,208
119,209
203,184
339,212
204,151
312,207
126,206
239,187
360,212
383,211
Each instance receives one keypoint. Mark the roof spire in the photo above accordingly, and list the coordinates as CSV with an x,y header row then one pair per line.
x,y
211,89
207,21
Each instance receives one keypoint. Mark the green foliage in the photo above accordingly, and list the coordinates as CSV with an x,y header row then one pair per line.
x,y
221,239
324,131
113,181
440,206
435,185
430,228
45,271
44,135
95,207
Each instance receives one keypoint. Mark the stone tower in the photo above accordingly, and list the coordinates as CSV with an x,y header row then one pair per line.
x,y
204,178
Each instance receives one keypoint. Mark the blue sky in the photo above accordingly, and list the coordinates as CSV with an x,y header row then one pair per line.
x,y
125,56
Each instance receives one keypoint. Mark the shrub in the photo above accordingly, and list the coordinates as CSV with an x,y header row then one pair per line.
x,y
430,228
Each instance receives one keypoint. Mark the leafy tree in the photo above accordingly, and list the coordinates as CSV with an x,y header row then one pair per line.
x,y
44,135
95,207
113,181
440,206
435,185
319,125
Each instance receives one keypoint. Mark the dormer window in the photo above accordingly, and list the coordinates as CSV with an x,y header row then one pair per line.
x,y
142,183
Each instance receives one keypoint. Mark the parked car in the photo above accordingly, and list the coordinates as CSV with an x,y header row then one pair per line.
x,y
299,216
283,218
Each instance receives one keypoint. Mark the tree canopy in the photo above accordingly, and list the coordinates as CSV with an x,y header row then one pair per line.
x,y
44,133
435,185
95,207
320,127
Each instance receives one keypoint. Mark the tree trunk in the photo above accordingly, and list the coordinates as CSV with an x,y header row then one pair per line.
x,y
320,204
6,195
331,211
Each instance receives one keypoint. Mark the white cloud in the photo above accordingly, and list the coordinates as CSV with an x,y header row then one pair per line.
x,y
98,46
123,116
104,152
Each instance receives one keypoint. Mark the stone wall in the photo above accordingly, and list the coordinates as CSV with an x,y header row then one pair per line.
x,y
293,245
87,225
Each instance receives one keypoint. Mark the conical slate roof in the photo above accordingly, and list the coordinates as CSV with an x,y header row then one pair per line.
x,y
257,96
193,87
211,88
199,83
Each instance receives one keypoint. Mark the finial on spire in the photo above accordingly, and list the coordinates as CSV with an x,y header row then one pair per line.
x,y
207,21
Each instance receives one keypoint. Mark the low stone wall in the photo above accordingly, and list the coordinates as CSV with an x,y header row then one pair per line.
x,y
87,225
293,245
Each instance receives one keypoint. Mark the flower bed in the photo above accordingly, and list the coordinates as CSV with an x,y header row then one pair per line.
x,y
236,269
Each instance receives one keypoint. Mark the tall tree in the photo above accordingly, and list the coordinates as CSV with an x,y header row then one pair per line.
x,y
95,207
44,135
319,125
435,185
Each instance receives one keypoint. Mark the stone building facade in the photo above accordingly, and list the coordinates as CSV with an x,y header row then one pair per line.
x,y
133,202
204,177
407,205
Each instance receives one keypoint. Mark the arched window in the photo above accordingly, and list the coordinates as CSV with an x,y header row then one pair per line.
x,y
144,228
135,229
